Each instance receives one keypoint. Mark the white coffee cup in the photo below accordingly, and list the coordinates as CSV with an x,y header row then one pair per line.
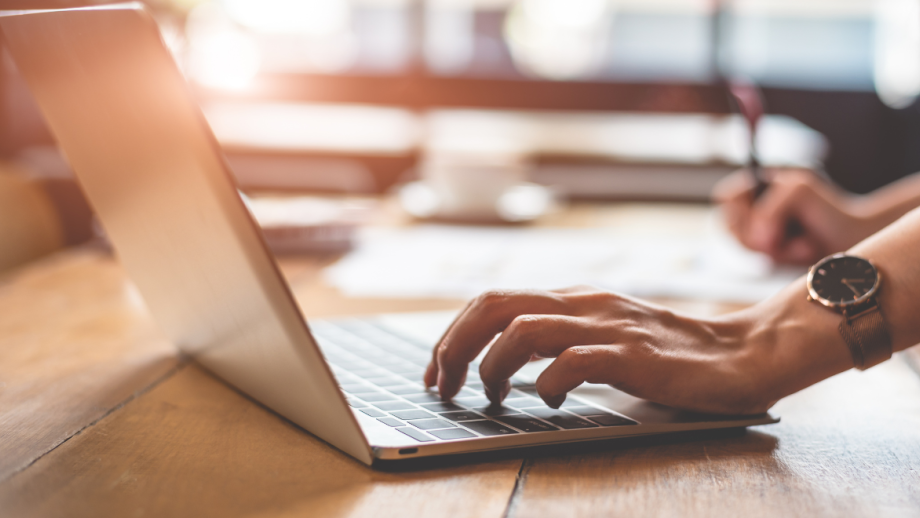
x,y
470,185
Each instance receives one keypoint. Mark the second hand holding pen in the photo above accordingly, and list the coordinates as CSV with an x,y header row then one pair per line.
x,y
749,101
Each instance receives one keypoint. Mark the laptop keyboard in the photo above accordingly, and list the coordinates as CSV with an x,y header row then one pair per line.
x,y
381,372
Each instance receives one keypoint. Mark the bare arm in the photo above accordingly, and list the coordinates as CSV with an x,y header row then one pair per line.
x,y
884,206
742,362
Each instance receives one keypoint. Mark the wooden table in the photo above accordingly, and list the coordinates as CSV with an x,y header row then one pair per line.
x,y
99,416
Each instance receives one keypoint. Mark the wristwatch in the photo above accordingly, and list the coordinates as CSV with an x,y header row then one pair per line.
x,y
849,285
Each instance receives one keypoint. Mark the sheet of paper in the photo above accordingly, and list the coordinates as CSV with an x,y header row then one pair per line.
x,y
460,262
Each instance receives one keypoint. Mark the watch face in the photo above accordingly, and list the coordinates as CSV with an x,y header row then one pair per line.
x,y
842,280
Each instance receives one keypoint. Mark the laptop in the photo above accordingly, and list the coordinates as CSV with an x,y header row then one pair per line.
x,y
123,115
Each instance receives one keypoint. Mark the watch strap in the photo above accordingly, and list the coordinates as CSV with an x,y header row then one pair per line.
x,y
866,334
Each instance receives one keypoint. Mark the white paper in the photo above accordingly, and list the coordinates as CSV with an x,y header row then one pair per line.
x,y
452,261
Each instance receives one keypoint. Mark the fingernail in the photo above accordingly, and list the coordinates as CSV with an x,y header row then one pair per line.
x,y
555,401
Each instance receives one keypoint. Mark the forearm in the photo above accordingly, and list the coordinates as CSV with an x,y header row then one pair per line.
x,y
795,343
896,252
885,205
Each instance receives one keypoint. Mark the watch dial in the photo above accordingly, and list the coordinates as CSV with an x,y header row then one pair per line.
x,y
843,280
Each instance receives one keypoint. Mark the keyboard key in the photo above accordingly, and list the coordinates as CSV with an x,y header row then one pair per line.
x,y
418,358
355,403
494,410
359,388
389,421
561,418
389,406
388,381
525,386
612,420
415,434
467,392
452,433
586,410
387,358
473,402
376,396
408,370
427,397
408,415
389,361
524,402
463,415
368,373
441,406
489,428
526,424
432,424
373,412
406,389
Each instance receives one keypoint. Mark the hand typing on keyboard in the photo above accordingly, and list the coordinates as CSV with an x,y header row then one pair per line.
x,y
739,363
378,372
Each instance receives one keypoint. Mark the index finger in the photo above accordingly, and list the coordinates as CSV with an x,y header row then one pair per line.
x,y
488,315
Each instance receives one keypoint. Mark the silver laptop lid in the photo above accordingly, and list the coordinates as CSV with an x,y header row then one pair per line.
x,y
124,117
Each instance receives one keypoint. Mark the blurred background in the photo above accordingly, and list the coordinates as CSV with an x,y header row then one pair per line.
x,y
603,99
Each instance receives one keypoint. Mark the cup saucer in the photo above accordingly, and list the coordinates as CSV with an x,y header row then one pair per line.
x,y
521,202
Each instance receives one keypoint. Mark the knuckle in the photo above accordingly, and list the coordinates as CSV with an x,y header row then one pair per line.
x,y
524,327
491,299
640,338
594,296
629,311
578,358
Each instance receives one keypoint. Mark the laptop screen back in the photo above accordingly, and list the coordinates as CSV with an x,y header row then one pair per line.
x,y
124,117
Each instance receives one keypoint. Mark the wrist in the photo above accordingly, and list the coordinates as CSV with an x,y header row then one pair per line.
x,y
900,289
789,343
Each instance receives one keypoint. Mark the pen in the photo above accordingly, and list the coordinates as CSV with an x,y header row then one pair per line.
x,y
749,102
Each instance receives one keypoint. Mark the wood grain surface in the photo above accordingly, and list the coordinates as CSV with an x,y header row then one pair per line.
x,y
75,342
193,446
29,226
